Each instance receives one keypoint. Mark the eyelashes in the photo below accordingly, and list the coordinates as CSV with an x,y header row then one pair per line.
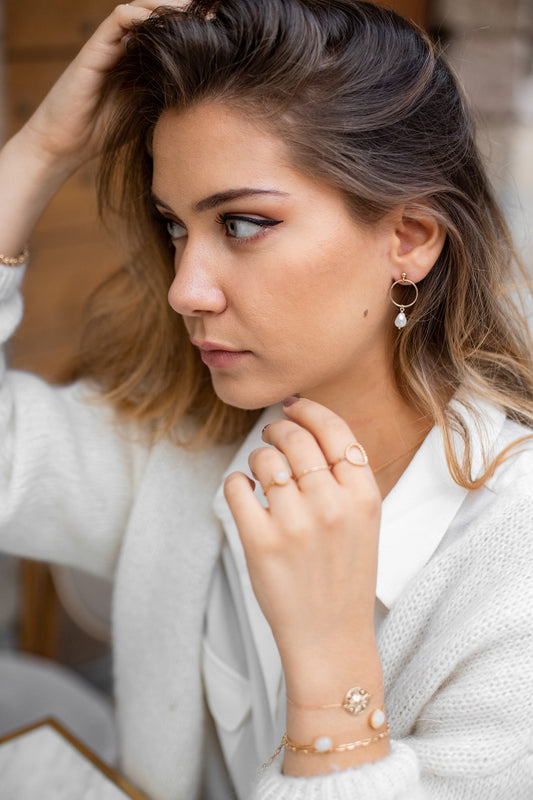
x,y
241,226
237,226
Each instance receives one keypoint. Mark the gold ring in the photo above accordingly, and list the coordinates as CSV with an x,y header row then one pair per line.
x,y
311,469
347,457
281,478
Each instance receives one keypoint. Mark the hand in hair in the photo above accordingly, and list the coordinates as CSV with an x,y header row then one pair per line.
x,y
65,130
69,123
312,558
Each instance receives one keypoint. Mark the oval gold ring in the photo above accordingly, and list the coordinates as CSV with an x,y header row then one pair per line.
x,y
281,478
312,469
349,458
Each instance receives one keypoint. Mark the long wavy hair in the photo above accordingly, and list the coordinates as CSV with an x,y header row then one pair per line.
x,y
364,101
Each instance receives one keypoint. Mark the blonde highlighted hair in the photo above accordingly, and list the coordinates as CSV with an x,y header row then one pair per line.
x,y
362,100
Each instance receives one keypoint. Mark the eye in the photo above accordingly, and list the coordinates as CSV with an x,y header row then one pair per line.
x,y
241,227
175,229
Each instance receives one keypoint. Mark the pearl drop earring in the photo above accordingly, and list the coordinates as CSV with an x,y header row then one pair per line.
x,y
401,319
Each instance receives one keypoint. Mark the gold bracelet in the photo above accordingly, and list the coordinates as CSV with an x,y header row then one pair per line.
x,y
355,701
323,745
15,261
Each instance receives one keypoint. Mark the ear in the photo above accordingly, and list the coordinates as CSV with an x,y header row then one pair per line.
x,y
417,242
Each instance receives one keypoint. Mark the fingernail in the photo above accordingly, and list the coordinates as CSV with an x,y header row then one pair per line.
x,y
264,429
289,401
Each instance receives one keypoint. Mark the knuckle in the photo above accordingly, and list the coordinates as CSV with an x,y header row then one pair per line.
x,y
294,436
231,483
260,453
331,516
297,529
261,457
369,501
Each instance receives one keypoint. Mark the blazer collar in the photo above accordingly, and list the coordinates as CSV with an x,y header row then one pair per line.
x,y
418,511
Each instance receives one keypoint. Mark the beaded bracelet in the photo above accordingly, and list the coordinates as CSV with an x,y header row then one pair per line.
x,y
15,261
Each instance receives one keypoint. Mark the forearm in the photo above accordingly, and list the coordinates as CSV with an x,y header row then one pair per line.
x,y
29,179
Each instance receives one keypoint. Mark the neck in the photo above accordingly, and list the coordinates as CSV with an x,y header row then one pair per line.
x,y
382,421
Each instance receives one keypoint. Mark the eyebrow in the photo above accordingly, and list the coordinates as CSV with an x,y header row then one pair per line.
x,y
219,198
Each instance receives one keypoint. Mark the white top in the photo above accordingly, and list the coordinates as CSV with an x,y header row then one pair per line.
x,y
456,645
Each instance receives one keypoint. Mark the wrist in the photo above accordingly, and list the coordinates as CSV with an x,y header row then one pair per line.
x,y
347,732
329,669
29,179
51,166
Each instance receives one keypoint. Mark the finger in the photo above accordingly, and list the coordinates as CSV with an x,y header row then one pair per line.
x,y
335,438
271,470
106,44
302,451
247,511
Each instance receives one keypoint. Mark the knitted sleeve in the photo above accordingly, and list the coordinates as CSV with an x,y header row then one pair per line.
x,y
457,652
67,476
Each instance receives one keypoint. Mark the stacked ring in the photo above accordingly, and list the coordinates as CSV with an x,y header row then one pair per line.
x,y
349,458
281,478
312,469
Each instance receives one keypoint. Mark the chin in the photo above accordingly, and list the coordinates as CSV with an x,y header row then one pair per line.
x,y
248,398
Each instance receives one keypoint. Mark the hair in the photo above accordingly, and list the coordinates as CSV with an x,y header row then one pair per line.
x,y
362,100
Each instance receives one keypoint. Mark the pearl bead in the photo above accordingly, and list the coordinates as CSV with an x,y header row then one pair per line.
x,y
377,718
323,744
401,320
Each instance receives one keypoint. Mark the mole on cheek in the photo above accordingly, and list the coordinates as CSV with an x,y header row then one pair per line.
x,y
365,312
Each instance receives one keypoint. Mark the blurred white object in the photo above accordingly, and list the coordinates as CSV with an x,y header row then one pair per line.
x,y
86,598
32,688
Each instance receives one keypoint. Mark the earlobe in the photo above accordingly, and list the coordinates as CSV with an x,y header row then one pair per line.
x,y
417,243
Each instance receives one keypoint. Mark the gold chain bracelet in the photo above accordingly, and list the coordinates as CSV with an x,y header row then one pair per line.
x,y
324,745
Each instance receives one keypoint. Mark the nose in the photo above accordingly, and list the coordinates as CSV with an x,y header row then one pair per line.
x,y
196,288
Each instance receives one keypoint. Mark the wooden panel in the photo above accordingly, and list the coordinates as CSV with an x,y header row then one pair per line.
x,y
39,610
415,10
61,24
26,85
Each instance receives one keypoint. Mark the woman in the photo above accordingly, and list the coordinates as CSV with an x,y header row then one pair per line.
x,y
328,241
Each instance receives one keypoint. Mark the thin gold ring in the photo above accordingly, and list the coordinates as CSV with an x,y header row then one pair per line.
x,y
312,469
281,478
347,457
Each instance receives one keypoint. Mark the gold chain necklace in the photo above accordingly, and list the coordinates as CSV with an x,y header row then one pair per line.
x,y
397,458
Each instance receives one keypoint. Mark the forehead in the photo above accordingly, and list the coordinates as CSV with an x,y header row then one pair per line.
x,y
209,147
212,132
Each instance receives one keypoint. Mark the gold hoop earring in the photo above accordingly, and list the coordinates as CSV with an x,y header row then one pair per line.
x,y
401,319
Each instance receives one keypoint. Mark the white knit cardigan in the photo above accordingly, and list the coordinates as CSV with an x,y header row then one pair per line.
x,y
456,649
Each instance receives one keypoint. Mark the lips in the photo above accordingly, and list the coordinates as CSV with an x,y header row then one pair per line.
x,y
219,355
210,346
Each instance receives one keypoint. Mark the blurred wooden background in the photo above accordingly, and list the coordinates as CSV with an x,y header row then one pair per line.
x,y
70,251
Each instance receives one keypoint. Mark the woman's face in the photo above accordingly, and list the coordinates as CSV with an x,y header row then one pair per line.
x,y
279,288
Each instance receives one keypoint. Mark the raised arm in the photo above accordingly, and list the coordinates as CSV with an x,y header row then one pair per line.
x,y
64,132
67,478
